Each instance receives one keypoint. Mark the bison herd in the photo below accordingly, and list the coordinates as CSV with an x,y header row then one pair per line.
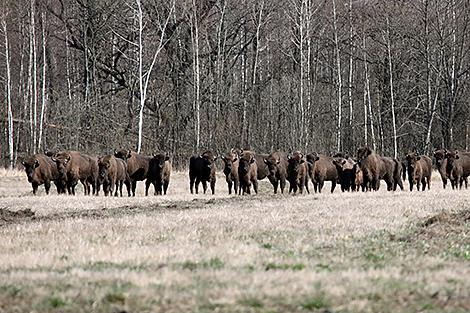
x,y
243,170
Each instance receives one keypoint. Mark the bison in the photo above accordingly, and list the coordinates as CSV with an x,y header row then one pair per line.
x,y
40,169
419,169
73,167
158,174
321,169
277,167
137,166
297,173
346,169
358,178
458,168
441,164
202,169
248,172
375,168
112,175
231,161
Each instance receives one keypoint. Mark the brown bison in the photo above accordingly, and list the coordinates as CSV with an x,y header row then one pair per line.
x,y
73,167
458,168
158,174
248,172
123,176
441,164
346,169
231,170
358,178
321,169
202,169
112,175
40,169
376,168
277,167
297,173
419,169
137,166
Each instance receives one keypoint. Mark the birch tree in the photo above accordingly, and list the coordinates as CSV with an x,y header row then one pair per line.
x,y
144,74
8,91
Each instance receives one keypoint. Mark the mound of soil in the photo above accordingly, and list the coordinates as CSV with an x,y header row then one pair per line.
x,y
436,234
7,216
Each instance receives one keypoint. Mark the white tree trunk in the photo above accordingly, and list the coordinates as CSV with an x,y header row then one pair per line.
x,y
197,77
350,78
43,89
340,81
369,100
392,97
34,76
8,94
144,78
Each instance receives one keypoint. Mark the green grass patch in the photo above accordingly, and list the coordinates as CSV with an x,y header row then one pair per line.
x,y
274,266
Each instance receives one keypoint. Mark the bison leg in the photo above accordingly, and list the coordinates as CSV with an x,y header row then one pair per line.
x,y
423,184
282,183
229,184
165,186
306,186
444,183
35,188
255,186
275,184
47,186
213,186
333,185
134,186
147,186
204,186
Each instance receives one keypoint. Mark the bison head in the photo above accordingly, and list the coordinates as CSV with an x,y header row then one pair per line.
x,y
439,156
230,160
363,153
451,157
30,168
295,162
411,160
61,160
273,165
103,168
123,154
244,165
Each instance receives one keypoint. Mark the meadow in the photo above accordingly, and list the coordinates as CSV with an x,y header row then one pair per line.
x,y
342,252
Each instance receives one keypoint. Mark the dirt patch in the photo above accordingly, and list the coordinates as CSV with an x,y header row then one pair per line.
x,y
447,219
446,232
8,217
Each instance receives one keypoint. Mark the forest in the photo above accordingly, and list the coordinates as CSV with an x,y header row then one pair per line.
x,y
183,76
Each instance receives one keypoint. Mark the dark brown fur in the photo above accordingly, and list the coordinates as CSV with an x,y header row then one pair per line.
x,y
248,172
40,169
159,174
202,169
376,168
419,169
321,169
441,164
346,173
73,167
277,167
458,168
112,175
137,166
231,161
262,170
297,173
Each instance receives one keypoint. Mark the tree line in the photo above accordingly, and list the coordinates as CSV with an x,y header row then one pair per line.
x,y
182,76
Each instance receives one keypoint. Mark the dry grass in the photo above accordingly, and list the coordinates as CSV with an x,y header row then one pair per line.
x,y
201,253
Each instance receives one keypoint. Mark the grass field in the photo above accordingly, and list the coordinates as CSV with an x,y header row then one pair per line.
x,y
341,252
